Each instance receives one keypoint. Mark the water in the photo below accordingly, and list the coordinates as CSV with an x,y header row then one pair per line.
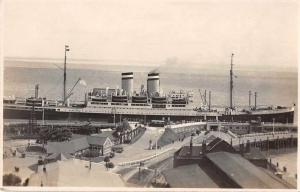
x,y
273,88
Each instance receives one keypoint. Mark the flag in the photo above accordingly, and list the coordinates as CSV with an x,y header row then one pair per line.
x,y
67,48
82,82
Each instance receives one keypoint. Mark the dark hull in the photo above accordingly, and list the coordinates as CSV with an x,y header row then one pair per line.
x,y
54,115
286,117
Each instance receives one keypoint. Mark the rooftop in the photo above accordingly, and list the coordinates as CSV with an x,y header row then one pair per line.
x,y
78,142
187,151
244,173
188,176
75,173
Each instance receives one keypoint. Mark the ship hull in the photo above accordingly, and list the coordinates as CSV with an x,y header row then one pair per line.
x,y
52,114
103,117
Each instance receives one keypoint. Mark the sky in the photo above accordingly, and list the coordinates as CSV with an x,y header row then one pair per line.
x,y
190,33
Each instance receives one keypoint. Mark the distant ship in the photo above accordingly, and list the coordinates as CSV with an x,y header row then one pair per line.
x,y
150,104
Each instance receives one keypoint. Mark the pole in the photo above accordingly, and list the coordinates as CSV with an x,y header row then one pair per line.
x,y
114,112
36,91
250,99
205,97
43,116
273,126
65,73
231,80
156,144
255,96
209,100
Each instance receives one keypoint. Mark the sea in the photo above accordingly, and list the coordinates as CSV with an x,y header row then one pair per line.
x,y
273,88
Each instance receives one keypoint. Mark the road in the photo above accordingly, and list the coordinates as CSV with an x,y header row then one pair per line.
x,y
140,150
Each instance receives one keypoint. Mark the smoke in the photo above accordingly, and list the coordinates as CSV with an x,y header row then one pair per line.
x,y
169,62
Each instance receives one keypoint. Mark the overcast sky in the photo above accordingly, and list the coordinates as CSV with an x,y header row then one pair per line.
x,y
198,33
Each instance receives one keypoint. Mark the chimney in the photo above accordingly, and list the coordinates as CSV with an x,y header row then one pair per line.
x,y
127,83
153,84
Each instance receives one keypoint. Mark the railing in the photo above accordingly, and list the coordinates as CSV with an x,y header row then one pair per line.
x,y
266,134
137,162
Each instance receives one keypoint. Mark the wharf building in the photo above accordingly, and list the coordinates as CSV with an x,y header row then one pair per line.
x,y
218,164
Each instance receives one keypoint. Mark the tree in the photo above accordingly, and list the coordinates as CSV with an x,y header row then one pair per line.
x,y
11,180
125,125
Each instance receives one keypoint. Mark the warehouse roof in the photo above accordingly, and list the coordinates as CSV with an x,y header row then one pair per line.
x,y
244,173
188,176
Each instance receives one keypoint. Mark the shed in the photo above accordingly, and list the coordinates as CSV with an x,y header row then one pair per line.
x,y
188,176
243,174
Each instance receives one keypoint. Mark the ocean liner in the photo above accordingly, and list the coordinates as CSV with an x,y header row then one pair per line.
x,y
147,104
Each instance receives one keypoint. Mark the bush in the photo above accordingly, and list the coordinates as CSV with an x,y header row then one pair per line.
x,y
17,169
26,182
112,154
110,165
11,180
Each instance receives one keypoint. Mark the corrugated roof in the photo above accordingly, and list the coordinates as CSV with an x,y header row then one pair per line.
x,y
78,144
108,134
188,176
59,147
59,156
243,172
96,140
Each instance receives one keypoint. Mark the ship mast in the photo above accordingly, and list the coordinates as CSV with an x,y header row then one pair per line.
x,y
231,81
65,73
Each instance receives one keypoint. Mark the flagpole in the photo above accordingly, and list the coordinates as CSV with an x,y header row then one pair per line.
x,y
65,73
231,80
